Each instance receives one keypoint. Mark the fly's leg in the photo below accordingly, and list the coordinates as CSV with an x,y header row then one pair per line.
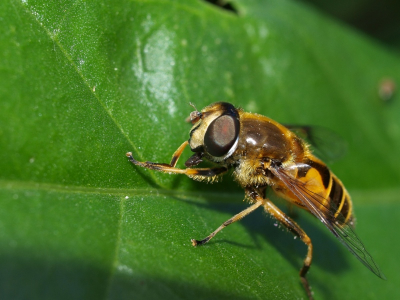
x,y
197,174
173,162
235,218
297,231
178,153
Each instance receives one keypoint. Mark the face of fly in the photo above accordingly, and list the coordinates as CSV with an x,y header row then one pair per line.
x,y
215,130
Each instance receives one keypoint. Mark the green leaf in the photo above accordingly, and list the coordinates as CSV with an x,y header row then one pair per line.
x,y
82,83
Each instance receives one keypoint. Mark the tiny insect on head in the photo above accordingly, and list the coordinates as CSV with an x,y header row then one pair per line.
x,y
216,132
194,116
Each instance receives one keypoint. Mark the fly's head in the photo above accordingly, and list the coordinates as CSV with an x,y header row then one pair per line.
x,y
215,131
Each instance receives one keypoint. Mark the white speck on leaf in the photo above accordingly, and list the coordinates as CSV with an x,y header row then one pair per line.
x,y
125,269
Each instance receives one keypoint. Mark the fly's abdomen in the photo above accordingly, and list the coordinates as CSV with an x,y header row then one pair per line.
x,y
329,193
340,200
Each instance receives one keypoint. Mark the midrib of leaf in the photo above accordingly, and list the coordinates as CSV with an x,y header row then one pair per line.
x,y
49,187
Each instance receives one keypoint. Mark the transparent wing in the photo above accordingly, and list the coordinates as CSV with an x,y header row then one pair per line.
x,y
326,214
326,144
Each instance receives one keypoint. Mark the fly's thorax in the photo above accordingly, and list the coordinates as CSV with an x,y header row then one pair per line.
x,y
252,173
216,131
262,137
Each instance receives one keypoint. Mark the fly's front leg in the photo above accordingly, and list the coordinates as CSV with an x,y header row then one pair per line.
x,y
177,154
156,166
197,174
296,230
235,218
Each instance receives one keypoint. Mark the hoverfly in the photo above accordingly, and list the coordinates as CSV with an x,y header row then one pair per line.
x,y
264,153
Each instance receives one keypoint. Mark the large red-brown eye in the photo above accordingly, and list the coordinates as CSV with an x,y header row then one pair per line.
x,y
221,135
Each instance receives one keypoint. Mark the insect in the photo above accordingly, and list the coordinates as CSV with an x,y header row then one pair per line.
x,y
262,154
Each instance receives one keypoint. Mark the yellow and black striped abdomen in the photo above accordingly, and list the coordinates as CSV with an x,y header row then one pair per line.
x,y
337,199
340,199
321,187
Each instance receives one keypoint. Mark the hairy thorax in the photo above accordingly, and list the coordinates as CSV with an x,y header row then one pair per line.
x,y
263,141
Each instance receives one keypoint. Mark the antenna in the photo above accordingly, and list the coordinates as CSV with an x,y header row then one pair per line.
x,y
192,105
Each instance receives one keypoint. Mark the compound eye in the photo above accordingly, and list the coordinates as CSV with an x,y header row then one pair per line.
x,y
221,135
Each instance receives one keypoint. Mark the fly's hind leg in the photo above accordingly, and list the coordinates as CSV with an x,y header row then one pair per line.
x,y
297,231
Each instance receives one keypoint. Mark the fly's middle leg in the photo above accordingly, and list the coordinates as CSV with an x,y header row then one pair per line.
x,y
257,203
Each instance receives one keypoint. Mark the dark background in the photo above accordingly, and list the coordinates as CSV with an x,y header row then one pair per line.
x,y
377,19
